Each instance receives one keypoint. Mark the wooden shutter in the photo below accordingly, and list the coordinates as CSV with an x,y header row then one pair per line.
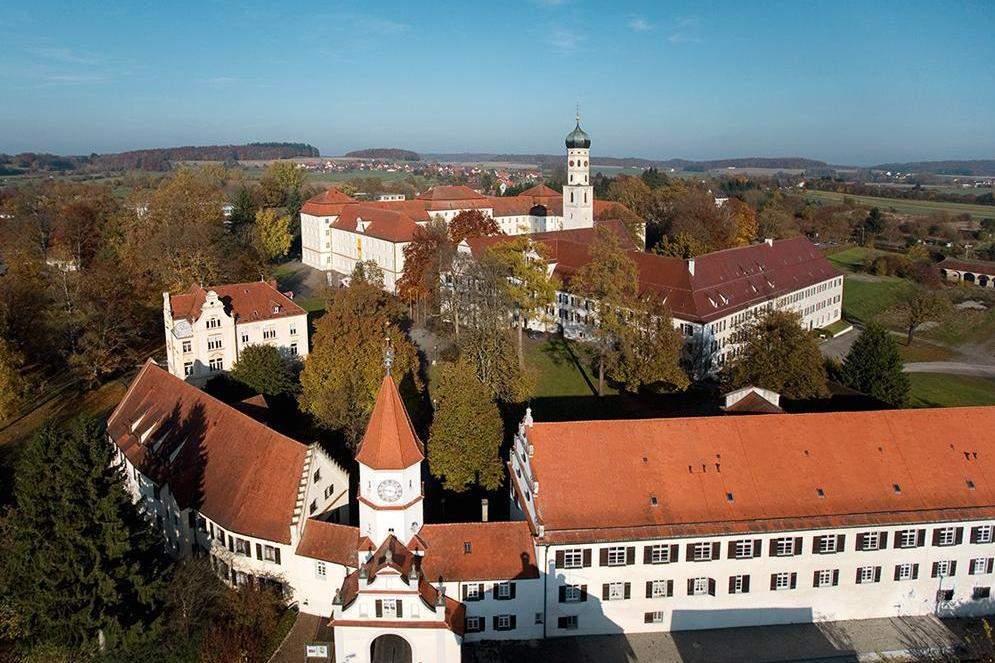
x,y
690,586
399,607
746,581
648,618
990,561
711,587
583,593
936,536
586,557
816,548
794,580
898,568
512,594
670,588
512,622
861,540
756,547
379,608
858,576
975,532
915,571
840,542
953,568
689,552
877,574
603,557
731,550
935,571
494,623
647,554
798,546
561,622
773,581
716,550
259,551
563,594
958,536
560,559
605,588
836,577
674,553
732,584
630,555
628,590
772,551
649,589
815,580
277,557
920,538
883,540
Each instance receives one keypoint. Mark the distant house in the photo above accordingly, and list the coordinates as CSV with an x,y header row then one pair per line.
x,y
976,272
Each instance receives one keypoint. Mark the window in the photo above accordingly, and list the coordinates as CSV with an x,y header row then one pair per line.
x,y
944,568
981,565
868,574
702,552
654,617
329,490
981,534
870,541
701,587
271,554
313,506
615,591
502,590
659,589
945,595
187,368
471,592
743,549
783,547
659,554
827,544
242,547
739,584
981,593
616,556
293,330
245,338
293,349
782,581
241,578
214,343
268,333
538,619
216,364
187,347
389,608
573,558
906,571
568,622
826,578
320,571
504,622
317,475
474,624
945,536
906,538
213,323
572,594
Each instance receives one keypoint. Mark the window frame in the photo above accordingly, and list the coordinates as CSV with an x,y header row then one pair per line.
x,y
568,556
612,557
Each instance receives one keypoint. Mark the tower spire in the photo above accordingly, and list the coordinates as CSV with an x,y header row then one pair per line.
x,y
578,113
388,356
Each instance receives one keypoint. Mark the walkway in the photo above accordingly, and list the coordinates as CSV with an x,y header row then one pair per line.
x,y
951,367
908,638
307,630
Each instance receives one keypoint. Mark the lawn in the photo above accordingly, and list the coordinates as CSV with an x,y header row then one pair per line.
x,y
864,297
940,390
561,368
906,206
853,258
921,350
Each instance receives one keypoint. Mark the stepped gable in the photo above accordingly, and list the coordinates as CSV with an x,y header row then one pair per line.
x,y
390,442
233,469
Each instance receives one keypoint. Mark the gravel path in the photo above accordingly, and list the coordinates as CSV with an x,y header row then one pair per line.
x,y
951,367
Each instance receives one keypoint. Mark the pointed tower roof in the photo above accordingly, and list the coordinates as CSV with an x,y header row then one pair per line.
x,y
390,442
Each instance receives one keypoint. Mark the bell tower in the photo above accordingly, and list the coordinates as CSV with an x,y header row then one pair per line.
x,y
578,194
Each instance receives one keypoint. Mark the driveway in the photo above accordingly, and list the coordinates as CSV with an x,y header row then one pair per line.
x,y
838,347
951,367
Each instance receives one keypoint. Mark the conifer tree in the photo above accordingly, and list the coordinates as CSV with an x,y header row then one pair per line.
x,y
466,432
79,561
264,369
874,367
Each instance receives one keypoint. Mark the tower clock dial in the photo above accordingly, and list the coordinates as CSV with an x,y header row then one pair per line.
x,y
389,490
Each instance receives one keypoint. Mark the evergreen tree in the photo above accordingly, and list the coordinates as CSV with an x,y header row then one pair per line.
x,y
781,356
265,370
873,366
243,207
466,432
79,561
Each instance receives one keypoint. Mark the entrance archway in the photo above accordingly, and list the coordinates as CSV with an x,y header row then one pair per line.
x,y
390,648
969,277
983,280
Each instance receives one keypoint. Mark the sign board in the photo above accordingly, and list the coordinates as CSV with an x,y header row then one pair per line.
x,y
317,651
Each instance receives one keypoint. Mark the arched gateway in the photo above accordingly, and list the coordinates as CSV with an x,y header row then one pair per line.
x,y
390,648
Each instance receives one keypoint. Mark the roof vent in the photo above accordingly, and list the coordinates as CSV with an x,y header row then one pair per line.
x,y
898,489
769,242
970,484
820,492
691,266
467,547
729,497
653,500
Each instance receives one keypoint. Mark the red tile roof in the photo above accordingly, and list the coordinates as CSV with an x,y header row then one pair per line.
x,y
390,442
331,542
248,302
233,469
978,266
541,191
383,223
762,473
451,194
327,203
498,551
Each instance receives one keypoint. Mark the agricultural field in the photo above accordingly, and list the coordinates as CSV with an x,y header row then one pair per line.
x,y
922,207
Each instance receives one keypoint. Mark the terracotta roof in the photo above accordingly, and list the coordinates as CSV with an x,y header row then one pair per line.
x,y
330,542
541,191
327,203
724,281
248,302
979,266
389,442
497,551
236,471
719,475
382,223
451,193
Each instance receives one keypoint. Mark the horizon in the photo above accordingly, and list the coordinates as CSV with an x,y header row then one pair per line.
x,y
872,84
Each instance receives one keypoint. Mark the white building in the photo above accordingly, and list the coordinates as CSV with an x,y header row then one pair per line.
x,y
207,328
338,231
710,296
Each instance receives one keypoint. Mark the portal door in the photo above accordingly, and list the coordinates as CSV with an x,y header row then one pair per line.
x,y
390,648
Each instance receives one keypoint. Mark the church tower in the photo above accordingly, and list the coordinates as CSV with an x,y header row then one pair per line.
x,y
578,194
390,457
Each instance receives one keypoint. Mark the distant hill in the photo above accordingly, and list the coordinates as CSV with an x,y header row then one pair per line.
x,y
152,159
792,163
384,153
973,167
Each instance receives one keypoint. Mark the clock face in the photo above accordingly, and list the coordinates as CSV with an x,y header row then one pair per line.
x,y
389,490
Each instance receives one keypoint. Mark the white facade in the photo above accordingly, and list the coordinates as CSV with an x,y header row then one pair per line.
x,y
578,194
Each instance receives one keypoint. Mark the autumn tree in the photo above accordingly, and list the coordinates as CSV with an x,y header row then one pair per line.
x,y
282,183
466,433
919,305
271,234
873,366
775,223
12,385
695,214
681,245
345,367
632,192
649,349
429,248
527,284
265,370
472,223
779,355
745,218
609,281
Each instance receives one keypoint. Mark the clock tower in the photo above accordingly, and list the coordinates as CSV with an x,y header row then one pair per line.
x,y
390,456
578,193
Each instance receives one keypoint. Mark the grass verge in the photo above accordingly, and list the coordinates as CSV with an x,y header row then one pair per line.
x,y
941,390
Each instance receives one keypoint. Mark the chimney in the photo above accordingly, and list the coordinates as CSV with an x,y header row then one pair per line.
x,y
483,510
769,241
690,262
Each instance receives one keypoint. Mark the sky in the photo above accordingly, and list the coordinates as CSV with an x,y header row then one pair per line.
x,y
848,82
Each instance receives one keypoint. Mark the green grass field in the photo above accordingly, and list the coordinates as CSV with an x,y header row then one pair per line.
x,y
865,298
853,258
906,206
939,390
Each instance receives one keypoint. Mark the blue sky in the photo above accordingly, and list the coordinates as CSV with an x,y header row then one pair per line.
x,y
848,82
